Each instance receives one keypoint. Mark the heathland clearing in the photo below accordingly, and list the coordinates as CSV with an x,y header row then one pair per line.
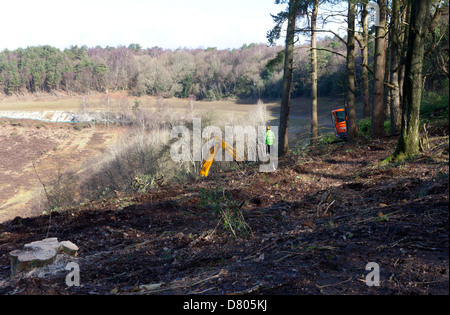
x,y
31,148
57,148
226,109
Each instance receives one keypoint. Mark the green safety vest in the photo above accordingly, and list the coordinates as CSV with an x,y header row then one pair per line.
x,y
270,136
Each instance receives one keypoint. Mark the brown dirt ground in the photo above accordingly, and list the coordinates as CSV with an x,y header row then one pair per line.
x,y
316,223
53,148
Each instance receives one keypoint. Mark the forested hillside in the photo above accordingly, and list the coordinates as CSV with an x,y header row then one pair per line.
x,y
253,71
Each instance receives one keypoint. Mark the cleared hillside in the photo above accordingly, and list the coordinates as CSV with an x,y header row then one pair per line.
x,y
315,224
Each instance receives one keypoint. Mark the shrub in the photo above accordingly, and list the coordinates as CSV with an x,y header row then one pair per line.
x,y
328,138
434,105
364,127
226,209
62,190
141,160
134,164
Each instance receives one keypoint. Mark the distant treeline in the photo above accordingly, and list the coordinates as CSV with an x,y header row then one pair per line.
x,y
253,71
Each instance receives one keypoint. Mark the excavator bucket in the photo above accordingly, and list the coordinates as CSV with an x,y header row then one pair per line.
x,y
206,165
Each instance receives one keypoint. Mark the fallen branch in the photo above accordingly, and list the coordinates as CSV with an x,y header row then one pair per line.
x,y
377,217
431,249
391,245
326,210
249,291
291,254
438,147
260,250
181,286
332,284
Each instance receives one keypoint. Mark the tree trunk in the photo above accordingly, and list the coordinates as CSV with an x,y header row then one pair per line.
x,y
395,68
404,39
365,61
387,75
314,121
408,142
352,130
377,122
283,137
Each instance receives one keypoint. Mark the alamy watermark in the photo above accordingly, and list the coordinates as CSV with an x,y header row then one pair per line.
x,y
249,142
373,277
73,277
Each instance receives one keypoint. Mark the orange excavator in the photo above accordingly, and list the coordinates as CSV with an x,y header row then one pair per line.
x,y
339,121
217,141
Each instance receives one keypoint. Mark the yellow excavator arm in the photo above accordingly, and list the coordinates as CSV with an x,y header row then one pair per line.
x,y
206,164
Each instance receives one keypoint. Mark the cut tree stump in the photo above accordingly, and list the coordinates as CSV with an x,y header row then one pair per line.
x,y
39,254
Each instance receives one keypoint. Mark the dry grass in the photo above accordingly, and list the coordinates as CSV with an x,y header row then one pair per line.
x,y
54,148
39,102
62,101
66,150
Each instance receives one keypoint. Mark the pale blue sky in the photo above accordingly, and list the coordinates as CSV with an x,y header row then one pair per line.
x,y
167,24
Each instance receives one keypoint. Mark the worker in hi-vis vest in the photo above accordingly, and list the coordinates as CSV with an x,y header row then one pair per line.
x,y
269,137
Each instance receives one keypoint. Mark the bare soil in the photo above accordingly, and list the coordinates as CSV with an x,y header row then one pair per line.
x,y
52,148
315,225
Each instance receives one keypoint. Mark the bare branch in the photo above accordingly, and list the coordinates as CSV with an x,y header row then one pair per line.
x,y
332,51
367,67
329,31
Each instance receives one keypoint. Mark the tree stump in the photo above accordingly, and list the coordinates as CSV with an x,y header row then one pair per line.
x,y
40,253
